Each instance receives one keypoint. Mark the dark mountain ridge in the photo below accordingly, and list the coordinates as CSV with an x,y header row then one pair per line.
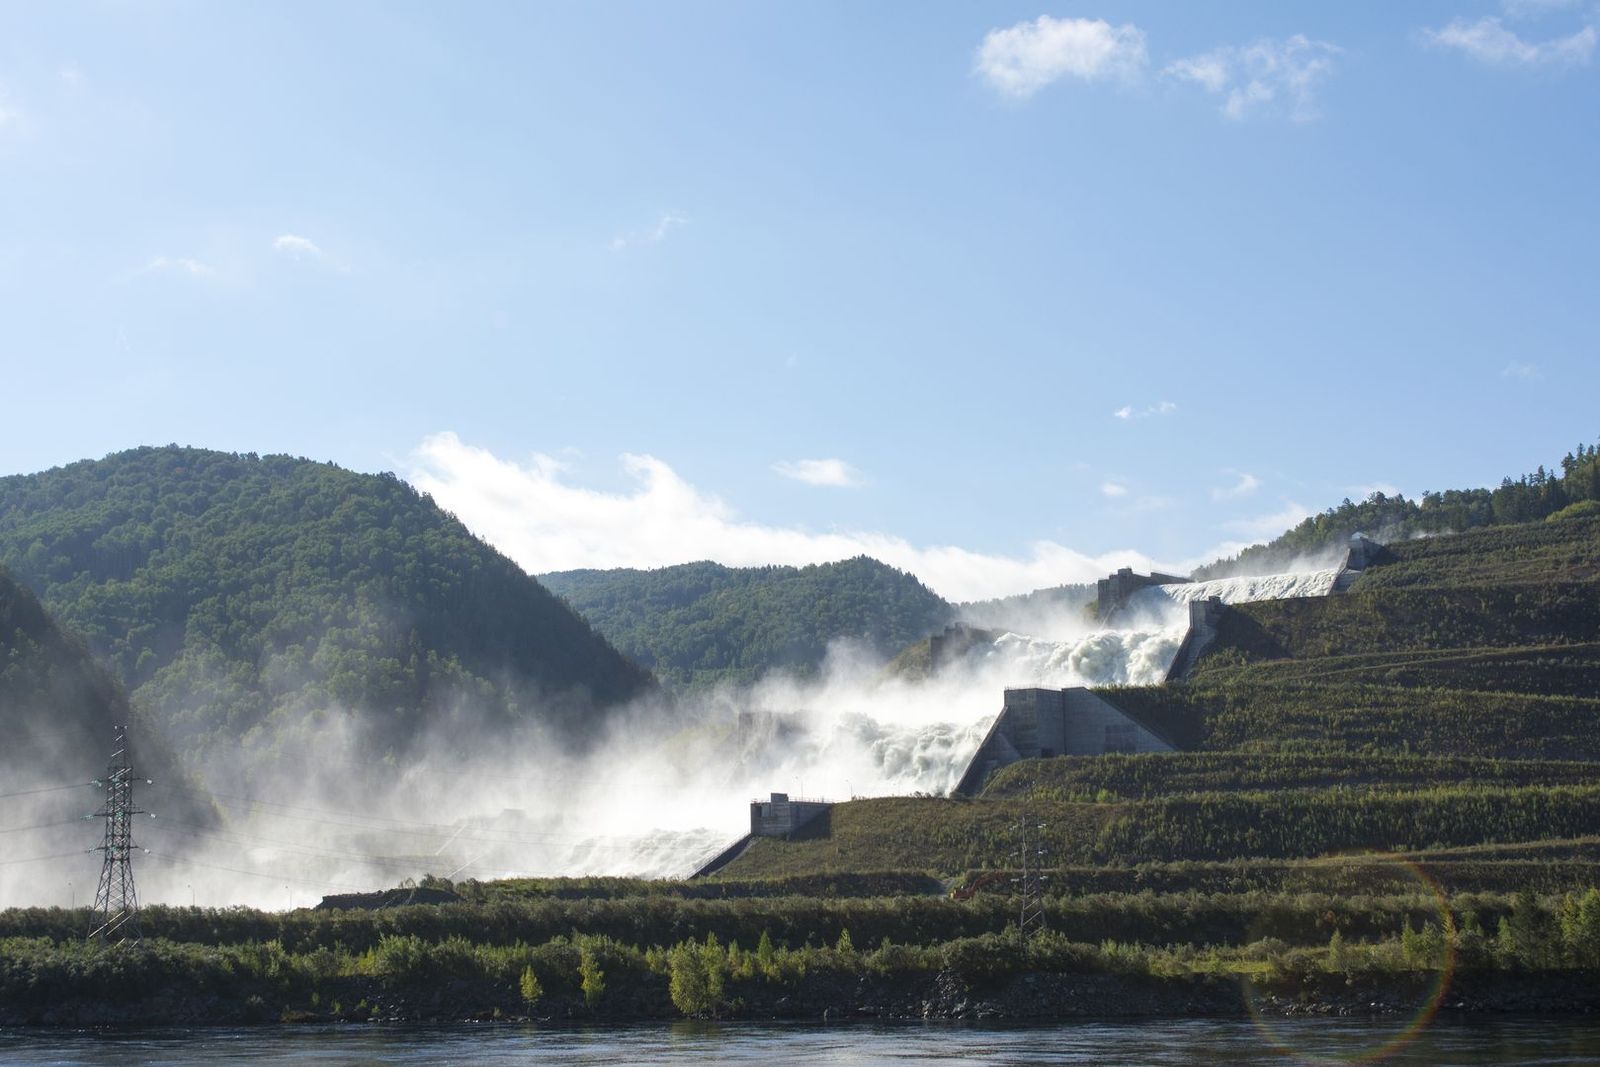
x,y
244,596
700,623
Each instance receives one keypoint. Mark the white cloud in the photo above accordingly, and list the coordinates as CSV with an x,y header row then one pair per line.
x,y
1362,492
668,222
1247,484
1113,489
292,244
1164,407
1022,59
1262,76
828,472
1489,41
177,265
1264,527
546,524
1516,369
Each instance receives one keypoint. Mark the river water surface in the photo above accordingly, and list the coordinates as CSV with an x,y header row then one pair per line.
x,y
1237,1043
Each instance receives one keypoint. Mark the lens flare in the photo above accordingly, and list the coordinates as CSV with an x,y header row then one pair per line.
x,y
1270,1025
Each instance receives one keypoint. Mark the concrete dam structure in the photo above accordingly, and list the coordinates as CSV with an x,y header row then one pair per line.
x,y
1040,723
1037,723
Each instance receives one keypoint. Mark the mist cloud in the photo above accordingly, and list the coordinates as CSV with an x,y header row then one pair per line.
x,y
531,513
829,472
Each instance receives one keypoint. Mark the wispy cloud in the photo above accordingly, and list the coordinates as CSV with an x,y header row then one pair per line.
x,y
292,244
828,472
1362,492
1247,484
1261,77
1517,369
531,512
1020,60
1113,489
1489,41
1128,411
1263,527
177,265
664,226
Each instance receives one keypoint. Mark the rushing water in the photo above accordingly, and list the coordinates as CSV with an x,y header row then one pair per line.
x,y
1237,1043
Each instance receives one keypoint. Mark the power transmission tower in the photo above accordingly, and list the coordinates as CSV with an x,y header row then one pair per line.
x,y
1030,919
116,902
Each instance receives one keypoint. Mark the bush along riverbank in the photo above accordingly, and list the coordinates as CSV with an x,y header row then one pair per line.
x,y
1543,954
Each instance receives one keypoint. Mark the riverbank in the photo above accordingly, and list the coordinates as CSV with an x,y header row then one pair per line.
x,y
1033,997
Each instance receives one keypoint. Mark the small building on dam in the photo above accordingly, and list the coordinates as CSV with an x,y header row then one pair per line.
x,y
1038,723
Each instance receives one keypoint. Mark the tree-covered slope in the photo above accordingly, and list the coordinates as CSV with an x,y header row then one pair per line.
x,y
245,596
1574,492
702,622
59,710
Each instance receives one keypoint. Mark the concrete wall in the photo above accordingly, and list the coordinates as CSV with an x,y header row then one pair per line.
x,y
1112,593
780,816
1040,723
1204,618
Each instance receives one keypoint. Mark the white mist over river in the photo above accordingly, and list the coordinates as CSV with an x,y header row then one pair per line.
x,y
665,790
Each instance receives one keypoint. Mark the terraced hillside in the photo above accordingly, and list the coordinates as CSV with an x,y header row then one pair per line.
x,y
1447,707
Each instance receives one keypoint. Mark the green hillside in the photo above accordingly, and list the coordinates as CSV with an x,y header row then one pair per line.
x,y
701,623
243,597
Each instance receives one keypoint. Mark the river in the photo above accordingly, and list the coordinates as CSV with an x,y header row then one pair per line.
x,y
1544,1041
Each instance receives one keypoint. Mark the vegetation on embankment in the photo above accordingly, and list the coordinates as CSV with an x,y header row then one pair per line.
x,y
1153,955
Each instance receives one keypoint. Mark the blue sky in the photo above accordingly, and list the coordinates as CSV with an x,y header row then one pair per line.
x,y
1029,289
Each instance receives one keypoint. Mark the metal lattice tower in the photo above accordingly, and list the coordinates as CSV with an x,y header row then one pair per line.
x,y
116,902
1030,918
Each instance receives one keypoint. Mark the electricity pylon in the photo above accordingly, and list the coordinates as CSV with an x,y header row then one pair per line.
x,y
1030,918
116,902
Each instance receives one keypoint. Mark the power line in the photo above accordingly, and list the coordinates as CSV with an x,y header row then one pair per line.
x,y
394,826
44,825
43,789
368,860
254,874
52,856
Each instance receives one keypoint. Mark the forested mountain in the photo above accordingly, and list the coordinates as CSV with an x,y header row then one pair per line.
x,y
1542,494
1039,612
699,623
59,710
244,596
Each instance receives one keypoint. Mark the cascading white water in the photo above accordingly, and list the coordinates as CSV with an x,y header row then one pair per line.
x,y
1242,590
892,736
652,804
